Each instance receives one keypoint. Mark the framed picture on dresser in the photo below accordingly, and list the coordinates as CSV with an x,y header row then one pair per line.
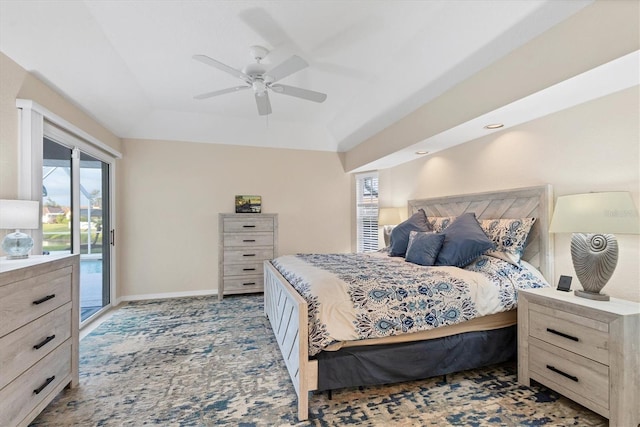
x,y
248,204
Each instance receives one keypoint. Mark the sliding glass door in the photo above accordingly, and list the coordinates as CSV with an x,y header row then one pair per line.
x,y
94,232
76,216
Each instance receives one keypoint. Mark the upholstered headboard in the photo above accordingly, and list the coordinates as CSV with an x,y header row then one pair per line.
x,y
515,203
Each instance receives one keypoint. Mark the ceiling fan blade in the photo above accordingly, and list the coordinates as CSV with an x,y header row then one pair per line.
x,y
223,67
262,101
298,92
286,68
221,92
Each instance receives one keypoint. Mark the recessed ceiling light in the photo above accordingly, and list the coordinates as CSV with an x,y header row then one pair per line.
x,y
421,153
494,126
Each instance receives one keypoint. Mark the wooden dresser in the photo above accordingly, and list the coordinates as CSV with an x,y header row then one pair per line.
x,y
39,315
246,240
587,350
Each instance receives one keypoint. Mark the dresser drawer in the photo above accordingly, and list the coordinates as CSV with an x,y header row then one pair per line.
x,y
586,337
48,376
26,300
244,284
247,255
247,225
243,269
248,239
25,346
579,378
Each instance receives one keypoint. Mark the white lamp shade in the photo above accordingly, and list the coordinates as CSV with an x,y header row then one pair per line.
x,y
389,216
608,212
19,214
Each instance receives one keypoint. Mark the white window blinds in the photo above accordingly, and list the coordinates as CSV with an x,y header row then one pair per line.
x,y
367,211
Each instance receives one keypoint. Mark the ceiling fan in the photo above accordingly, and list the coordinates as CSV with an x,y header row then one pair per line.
x,y
256,77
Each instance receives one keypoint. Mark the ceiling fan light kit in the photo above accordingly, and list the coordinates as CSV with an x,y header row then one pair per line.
x,y
257,77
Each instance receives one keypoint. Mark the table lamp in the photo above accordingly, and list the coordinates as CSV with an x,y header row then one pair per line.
x,y
17,215
593,218
388,218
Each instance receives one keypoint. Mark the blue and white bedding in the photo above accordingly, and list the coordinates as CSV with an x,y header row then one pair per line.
x,y
361,296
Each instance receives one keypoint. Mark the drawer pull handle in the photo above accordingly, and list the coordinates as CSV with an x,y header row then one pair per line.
x,y
43,299
44,342
562,334
248,254
564,374
249,226
249,240
249,284
43,386
248,269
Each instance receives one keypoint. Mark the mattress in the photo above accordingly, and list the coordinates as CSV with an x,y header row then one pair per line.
x,y
366,297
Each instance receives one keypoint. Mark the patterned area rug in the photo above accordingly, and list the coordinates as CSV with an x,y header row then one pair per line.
x,y
200,362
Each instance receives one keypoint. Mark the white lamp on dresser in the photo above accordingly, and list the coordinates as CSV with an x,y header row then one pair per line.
x,y
18,215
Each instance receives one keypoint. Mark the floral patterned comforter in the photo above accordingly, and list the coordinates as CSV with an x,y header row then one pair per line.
x,y
360,296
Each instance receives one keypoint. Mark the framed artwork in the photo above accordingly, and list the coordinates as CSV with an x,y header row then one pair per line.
x,y
248,204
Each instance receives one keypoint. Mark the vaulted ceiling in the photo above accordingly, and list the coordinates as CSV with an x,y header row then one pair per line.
x,y
129,64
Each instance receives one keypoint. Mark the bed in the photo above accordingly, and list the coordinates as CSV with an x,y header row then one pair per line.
x,y
323,364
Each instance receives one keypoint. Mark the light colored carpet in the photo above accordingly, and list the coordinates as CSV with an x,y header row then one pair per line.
x,y
200,362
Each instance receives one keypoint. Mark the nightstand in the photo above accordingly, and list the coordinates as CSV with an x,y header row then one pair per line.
x,y
584,349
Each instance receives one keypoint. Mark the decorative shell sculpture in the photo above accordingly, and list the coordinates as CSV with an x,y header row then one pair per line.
x,y
594,259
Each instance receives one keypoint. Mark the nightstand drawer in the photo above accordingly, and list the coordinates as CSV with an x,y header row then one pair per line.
x,y
248,225
248,239
243,269
25,346
244,284
26,300
586,337
577,377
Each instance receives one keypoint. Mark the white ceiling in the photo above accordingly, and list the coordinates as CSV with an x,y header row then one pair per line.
x,y
129,64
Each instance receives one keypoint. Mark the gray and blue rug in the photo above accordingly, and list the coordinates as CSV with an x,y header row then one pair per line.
x,y
200,362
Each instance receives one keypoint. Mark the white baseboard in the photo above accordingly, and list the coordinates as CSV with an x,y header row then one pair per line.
x,y
166,295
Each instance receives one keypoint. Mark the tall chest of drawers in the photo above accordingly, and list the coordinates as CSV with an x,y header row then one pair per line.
x,y
39,299
587,350
246,241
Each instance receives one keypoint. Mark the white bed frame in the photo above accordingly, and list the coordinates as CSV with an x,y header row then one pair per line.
x,y
287,310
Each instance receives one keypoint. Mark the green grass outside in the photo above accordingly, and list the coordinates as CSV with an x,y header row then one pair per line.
x,y
57,237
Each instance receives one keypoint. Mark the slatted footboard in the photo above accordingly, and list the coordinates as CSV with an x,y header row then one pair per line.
x,y
287,313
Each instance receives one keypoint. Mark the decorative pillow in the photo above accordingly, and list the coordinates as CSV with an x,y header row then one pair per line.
x,y
423,247
464,241
400,233
509,236
439,223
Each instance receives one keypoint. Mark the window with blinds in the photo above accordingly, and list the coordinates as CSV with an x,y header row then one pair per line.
x,y
367,211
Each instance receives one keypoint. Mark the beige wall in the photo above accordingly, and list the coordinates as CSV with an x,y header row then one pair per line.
x,y
591,147
599,33
16,82
171,194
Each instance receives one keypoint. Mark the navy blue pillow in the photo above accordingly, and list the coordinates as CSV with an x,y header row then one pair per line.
x,y
464,241
400,233
424,248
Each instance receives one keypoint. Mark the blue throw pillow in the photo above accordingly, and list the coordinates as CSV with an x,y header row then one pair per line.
x,y
400,234
464,241
424,247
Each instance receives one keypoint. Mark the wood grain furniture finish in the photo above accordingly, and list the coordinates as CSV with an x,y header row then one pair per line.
x,y
246,241
287,310
587,350
39,308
